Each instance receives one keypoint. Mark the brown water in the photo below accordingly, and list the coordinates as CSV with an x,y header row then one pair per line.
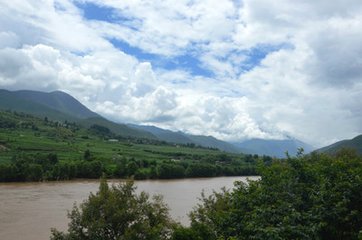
x,y
29,210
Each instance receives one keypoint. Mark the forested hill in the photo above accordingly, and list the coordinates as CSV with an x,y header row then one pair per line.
x,y
60,106
35,149
57,100
183,138
355,143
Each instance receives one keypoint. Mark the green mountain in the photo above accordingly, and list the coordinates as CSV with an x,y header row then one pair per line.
x,y
164,135
275,148
61,106
183,138
355,143
59,101
210,141
12,101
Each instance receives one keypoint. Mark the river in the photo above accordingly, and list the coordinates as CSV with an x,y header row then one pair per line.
x,y
29,210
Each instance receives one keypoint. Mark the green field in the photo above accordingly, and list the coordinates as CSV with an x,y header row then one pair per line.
x,y
23,136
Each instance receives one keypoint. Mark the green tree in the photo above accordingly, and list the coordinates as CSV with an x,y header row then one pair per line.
x,y
308,197
116,212
87,155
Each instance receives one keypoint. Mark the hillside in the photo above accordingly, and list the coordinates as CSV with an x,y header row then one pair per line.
x,y
275,148
33,149
355,143
183,138
59,101
13,101
60,106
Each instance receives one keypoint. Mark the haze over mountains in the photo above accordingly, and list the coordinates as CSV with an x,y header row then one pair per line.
x,y
61,106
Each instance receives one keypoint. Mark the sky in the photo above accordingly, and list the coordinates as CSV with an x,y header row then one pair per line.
x,y
235,70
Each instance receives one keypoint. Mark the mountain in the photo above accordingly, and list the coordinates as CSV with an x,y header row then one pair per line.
x,y
61,106
59,101
13,101
163,134
354,143
275,148
210,141
183,138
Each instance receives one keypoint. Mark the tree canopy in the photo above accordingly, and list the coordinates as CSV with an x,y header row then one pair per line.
x,y
309,197
117,212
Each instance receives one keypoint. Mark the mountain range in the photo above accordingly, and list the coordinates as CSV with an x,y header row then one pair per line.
x,y
275,148
61,106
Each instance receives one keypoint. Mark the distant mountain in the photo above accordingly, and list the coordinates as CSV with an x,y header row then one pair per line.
x,y
274,148
59,101
10,101
164,135
61,106
183,138
210,141
355,143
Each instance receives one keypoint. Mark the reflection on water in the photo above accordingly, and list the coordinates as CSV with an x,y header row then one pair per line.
x,y
29,210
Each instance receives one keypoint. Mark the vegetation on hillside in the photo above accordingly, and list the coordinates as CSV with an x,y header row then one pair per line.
x,y
35,149
308,197
354,143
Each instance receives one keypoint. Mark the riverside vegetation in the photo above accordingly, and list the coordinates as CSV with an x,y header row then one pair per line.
x,y
316,196
308,197
38,149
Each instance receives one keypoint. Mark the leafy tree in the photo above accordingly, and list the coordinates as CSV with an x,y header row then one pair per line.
x,y
116,212
308,197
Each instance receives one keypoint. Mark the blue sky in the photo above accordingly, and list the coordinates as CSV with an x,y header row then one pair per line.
x,y
237,70
188,60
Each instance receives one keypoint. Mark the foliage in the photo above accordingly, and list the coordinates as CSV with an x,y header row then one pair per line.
x,y
309,197
116,212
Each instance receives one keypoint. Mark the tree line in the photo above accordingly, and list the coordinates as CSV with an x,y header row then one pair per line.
x,y
47,167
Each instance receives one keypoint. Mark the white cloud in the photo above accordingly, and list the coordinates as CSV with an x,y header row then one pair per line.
x,y
308,86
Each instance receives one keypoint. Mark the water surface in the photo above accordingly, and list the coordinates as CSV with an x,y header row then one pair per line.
x,y
29,210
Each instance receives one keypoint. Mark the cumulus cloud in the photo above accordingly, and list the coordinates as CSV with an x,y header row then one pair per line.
x,y
276,68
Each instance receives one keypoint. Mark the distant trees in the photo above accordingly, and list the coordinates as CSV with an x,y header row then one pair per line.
x,y
101,131
39,167
117,212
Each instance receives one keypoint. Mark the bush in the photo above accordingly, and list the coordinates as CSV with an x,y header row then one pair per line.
x,y
116,212
310,197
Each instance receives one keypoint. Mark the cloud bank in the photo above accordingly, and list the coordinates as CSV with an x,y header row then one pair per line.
x,y
234,70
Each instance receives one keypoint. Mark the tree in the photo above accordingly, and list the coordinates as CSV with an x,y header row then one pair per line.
x,y
309,197
87,155
116,212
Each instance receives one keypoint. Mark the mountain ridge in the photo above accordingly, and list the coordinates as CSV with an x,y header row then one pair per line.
x,y
61,106
184,138
274,147
353,143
